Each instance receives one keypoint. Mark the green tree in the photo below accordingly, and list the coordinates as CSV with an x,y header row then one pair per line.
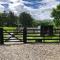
x,y
3,18
26,20
8,19
56,15
43,22
11,19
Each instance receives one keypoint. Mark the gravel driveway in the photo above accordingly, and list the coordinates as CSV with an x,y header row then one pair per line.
x,y
37,51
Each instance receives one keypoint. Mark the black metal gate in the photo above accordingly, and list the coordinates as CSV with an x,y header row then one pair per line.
x,y
28,35
12,36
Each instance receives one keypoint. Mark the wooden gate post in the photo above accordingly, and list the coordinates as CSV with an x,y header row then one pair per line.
x,y
59,37
25,35
1,36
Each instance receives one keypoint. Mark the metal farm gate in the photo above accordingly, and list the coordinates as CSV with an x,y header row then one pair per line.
x,y
10,36
36,35
29,35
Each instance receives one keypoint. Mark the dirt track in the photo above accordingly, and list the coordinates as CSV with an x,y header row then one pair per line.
x,y
30,51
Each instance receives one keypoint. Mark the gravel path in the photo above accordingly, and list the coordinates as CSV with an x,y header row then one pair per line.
x,y
30,51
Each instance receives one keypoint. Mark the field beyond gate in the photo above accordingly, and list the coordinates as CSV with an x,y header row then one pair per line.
x,y
13,35
34,35
29,35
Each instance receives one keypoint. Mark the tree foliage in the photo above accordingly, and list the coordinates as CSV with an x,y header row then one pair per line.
x,y
56,14
43,22
8,19
11,19
2,19
26,20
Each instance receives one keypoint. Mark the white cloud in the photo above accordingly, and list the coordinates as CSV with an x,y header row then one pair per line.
x,y
4,5
47,1
40,13
15,0
1,8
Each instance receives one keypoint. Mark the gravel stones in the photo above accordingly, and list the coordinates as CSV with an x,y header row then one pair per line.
x,y
30,52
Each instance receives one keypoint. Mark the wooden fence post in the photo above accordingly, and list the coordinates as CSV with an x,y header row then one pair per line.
x,y
25,35
59,37
1,36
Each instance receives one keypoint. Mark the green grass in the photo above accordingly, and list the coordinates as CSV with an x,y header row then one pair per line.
x,y
47,37
10,29
51,41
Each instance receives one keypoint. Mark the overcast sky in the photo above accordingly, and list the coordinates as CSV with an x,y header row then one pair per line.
x,y
39,9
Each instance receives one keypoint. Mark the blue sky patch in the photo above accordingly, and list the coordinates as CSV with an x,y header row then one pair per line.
x,y
34,3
